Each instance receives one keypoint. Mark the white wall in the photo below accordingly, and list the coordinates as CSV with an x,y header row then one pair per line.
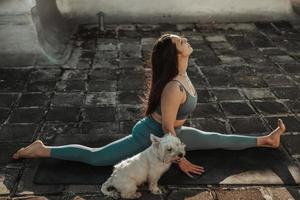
x,y
177,10
39,27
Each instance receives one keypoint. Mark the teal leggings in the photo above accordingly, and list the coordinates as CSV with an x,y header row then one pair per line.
x,y
139,140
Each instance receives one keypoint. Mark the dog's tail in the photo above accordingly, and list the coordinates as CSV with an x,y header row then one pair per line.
x,y
108,189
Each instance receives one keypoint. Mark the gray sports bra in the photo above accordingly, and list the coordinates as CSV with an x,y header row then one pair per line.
x,y
186,108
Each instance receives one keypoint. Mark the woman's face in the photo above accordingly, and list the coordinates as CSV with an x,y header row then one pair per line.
x,y
183,47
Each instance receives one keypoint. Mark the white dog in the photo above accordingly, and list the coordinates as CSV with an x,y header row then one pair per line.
x,y
147,165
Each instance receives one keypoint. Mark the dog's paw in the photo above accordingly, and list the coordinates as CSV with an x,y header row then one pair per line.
x,y
156,190
115,195
132,196
164,189
137,195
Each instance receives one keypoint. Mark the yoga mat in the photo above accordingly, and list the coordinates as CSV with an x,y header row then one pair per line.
x,y
250,166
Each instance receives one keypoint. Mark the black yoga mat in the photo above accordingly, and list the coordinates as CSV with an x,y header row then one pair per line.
x,y
250,166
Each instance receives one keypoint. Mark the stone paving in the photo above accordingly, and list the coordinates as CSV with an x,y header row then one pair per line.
x,y
246,74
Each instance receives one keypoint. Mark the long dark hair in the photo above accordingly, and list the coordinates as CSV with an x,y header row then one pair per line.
x,y
164,67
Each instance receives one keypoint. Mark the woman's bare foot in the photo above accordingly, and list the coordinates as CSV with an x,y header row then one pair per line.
x,y
273,139
34,150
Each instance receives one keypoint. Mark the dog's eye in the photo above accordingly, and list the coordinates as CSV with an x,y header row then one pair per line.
x,y
169,149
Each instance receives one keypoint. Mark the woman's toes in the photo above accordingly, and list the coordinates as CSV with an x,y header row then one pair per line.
x,y
17,154
281,125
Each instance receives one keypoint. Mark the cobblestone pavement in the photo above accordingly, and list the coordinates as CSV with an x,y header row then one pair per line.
x,y
246,74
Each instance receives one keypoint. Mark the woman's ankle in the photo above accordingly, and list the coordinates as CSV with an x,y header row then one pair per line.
x,y
45,152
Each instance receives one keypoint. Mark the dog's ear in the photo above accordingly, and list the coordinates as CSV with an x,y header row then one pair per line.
x,y
154,139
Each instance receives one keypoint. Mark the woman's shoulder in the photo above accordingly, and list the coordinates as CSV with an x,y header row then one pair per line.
x,y
173,86
176,83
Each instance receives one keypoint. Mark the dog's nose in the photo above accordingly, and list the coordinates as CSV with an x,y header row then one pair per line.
x,y
180,155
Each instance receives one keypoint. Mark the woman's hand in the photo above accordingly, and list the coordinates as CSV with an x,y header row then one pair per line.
x,y
187,167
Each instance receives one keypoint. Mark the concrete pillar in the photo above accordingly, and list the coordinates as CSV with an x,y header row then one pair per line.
x,y
53,30
296,6
32,33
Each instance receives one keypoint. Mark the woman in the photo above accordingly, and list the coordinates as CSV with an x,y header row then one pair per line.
x,y
171,98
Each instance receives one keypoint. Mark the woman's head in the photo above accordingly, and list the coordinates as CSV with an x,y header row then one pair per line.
x,y
184,49
167,52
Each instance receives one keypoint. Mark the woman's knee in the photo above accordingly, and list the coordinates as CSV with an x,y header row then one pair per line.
x,y
196,138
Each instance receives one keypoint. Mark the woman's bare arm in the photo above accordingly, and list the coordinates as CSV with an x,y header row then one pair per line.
x,y
170,102
171,98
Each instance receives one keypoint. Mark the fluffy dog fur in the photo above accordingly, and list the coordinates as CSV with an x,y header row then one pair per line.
x,y
147,165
